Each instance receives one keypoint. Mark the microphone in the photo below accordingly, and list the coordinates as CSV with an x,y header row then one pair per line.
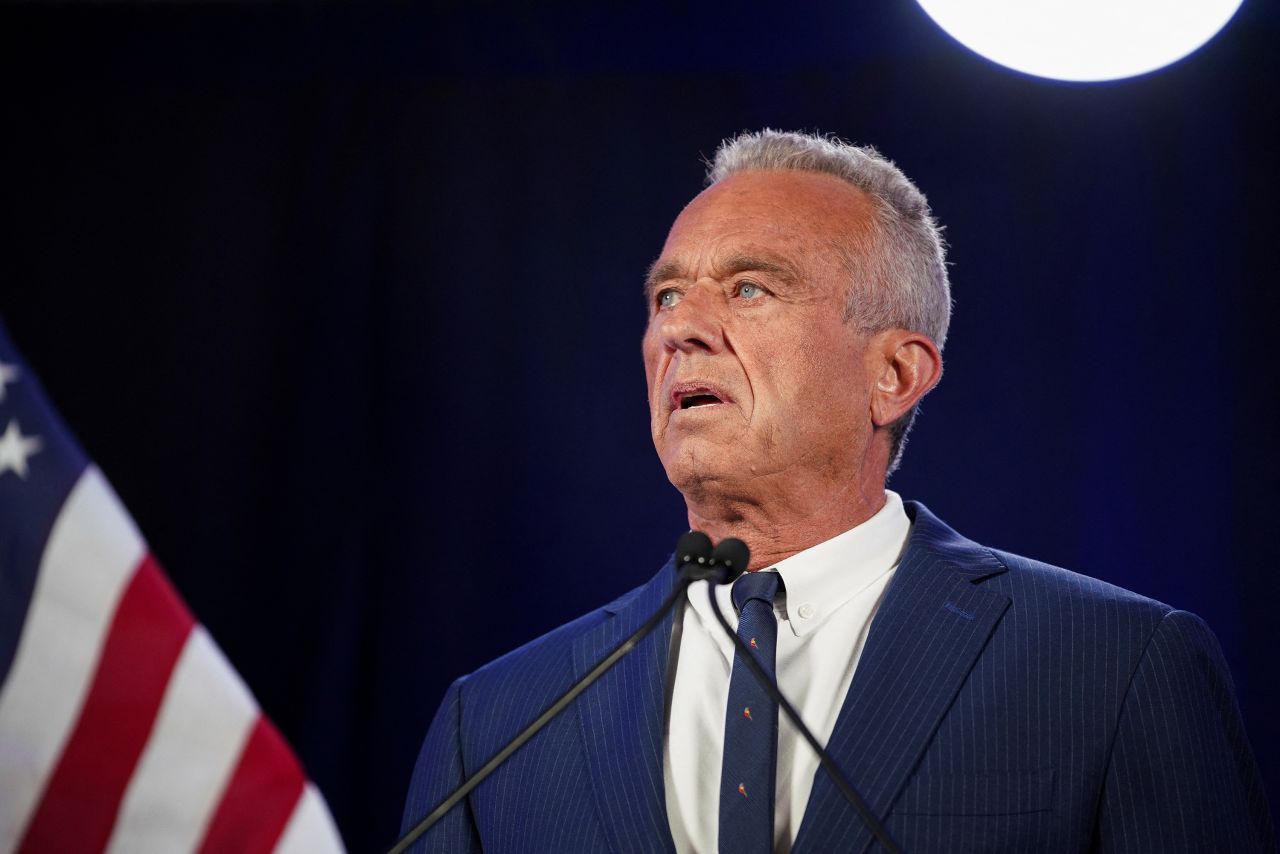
x,y
693,547
694,559
719,566
730,558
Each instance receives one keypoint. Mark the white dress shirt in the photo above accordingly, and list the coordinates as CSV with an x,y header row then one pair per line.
x,y
832,591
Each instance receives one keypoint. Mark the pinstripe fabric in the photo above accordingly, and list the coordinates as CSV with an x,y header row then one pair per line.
x,y
592,779
1000,705
621,723
924,640
1198,746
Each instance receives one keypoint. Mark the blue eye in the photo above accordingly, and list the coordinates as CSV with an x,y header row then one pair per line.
x,y
749,290
668,298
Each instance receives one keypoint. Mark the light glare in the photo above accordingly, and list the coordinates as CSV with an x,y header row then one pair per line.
x,y
1084,40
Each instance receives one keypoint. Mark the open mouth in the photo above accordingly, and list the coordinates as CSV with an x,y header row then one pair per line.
x,y
690,401
696,394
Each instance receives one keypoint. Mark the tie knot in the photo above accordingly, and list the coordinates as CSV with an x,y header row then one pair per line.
x,y
755,585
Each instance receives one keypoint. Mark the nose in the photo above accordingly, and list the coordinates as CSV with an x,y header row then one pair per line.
x,y
695,324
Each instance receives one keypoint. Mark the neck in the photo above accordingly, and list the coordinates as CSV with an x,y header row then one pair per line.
x,y
777,526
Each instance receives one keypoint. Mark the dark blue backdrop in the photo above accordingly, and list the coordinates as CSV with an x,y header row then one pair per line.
x,y
346,302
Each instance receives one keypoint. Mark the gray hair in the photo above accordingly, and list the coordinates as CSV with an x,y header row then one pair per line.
x,y
902,280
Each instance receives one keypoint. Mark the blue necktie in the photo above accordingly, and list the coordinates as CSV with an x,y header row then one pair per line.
x,y
748,770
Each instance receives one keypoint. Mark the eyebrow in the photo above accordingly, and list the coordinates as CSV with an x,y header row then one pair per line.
x,y
660,271
739,262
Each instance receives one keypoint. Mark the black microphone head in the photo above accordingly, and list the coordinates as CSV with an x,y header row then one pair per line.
x,y
692,547
733,556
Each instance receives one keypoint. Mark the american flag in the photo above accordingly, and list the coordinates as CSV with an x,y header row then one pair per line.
x,y
122,726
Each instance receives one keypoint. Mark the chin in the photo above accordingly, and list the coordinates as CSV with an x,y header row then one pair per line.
x,y
697,467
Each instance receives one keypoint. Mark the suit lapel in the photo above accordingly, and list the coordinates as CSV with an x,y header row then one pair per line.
x,y
924,640
621,717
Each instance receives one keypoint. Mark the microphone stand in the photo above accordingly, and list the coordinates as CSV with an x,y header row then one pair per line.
x,y
837,776
691,569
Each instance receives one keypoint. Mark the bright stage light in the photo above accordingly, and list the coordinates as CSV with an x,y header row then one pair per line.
x,y
1085,40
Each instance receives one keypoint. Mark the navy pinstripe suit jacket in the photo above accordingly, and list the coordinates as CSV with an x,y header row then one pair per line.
x,y
1000,704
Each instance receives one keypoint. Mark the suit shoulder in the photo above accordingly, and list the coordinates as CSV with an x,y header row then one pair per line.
x,y
1032,582
1040,579
1040,585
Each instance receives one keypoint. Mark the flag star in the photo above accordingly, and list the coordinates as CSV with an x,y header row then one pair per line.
x,y
8,374
15,449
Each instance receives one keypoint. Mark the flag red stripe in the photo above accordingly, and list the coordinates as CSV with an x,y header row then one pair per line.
x,y
260,798
79,805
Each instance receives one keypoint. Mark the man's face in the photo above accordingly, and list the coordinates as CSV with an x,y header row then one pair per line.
x,y
754,375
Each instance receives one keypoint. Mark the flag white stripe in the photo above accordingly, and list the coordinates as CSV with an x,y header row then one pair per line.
x,y
92,552
204,721
310,828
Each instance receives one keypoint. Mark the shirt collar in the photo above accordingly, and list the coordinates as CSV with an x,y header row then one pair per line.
x,y
822,578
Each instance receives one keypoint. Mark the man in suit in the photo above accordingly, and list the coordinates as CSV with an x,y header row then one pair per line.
x,y
977,700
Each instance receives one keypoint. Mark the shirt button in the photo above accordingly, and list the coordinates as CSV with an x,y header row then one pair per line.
x,y
806,611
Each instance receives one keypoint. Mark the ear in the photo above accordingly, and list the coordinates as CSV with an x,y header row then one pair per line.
x,y
907,366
